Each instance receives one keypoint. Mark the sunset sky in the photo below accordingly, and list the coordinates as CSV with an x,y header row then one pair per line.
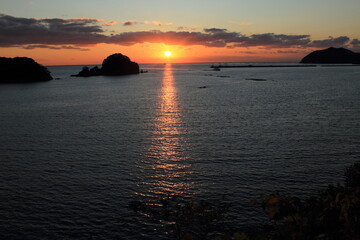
x,y
85,32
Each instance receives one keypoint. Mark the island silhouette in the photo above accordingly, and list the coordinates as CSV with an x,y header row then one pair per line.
x,y
27,70
22,70
332,55
114,65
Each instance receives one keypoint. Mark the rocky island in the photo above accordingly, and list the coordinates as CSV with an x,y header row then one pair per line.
x,y
22,70
114,65
332,56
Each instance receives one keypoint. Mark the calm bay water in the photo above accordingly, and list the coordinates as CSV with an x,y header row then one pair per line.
x,y
76,151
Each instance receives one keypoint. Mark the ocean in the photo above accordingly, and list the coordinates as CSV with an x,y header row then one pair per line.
x,y
77,153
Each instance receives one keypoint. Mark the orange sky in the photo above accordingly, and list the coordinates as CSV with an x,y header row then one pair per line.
x,y
154,53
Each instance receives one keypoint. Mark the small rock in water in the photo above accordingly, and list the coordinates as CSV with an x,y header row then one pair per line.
x,y
256,79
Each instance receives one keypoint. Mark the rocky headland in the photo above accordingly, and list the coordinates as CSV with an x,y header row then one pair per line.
x,y
22,70
332,56
114,65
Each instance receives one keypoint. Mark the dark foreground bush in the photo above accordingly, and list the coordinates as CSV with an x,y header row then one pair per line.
x,y
332,214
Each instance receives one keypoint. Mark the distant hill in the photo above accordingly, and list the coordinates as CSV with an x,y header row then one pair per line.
x,y
114,65
332,55
22,70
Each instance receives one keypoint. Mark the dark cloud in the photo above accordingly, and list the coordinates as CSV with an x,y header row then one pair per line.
x,y
156,23
175,38
330,42
273,40
191,29
53,47
355,45
56,33
129,23
72,20
355,42
215,30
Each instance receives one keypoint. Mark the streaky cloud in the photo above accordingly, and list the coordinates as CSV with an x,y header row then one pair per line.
x,y
290,51
215,30
53,47
156,23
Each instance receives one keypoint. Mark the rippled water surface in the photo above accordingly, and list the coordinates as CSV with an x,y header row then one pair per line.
x,y
75,152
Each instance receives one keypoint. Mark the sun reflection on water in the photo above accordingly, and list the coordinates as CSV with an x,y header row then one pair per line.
x,y
166,169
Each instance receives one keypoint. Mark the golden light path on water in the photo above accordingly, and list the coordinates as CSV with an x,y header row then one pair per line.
x,y
167,171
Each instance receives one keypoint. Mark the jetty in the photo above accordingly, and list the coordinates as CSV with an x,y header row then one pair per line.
x,y
262,66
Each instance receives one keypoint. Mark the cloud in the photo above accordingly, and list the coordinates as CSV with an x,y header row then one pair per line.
x,y
30,47
57,33
273,40
355,45
355,42
81,20
247,52
187,28
129,23
109,23
330,42
50,31
156,23
185,38
215,30
289,51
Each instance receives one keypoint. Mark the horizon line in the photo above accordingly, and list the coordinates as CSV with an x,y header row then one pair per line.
x,y
174,63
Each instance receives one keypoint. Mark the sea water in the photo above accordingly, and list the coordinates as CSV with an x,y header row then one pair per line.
x,y
76,152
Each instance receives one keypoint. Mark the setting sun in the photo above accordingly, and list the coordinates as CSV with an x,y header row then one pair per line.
x,y
167,53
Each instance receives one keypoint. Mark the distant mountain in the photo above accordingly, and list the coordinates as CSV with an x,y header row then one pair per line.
x,y
22,70
114,65
332,55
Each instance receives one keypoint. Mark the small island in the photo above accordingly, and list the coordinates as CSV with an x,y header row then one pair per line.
x,y
22,70
332,56
114,65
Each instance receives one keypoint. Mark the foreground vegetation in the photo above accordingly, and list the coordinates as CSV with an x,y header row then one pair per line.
x,y
332,214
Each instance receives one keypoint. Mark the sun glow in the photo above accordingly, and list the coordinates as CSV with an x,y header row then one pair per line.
x,y
167,54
